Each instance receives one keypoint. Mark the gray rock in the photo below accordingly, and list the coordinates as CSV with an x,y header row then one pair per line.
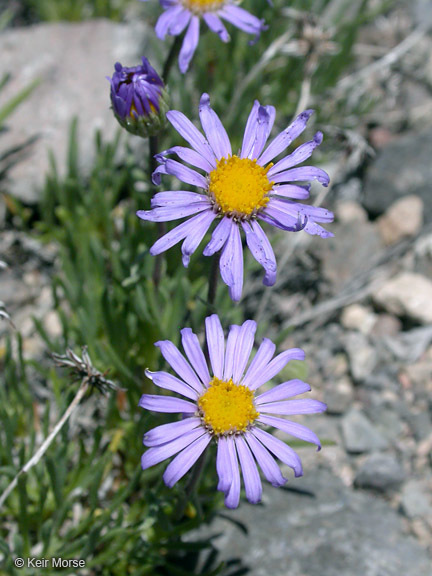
x,y
420,423
337,533
362,357
415,500
403,167
403,219
339,396
422,12
71,60
380,472
360,435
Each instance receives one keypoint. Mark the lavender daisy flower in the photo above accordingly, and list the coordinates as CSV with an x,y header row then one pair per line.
x,y
238,190
224,407
180,14
139,98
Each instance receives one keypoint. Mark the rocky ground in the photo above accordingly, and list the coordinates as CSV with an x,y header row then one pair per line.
x,y
363,316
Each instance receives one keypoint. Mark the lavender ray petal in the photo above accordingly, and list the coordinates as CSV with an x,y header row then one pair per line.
x,y
215,25
187,155
232,497
251,477
192,135
185,174
258,251
190,42
261,359
231,263
302,174
166,20
169,213
215,344
195,355
219,237
250,130
293,209
166,404
266,116
292,191
170,382
195,237
299,155
244,344
285,453
177,361
223,465
168,432
284,139
294,407
174,236
184,461
155,455
214,130
283,391
291,428
176,198
242,19
180,23
275,366
230,351
315,229
266,461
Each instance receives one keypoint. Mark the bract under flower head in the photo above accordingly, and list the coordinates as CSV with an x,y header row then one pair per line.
x,y
224,407
182,14
238,190
139,98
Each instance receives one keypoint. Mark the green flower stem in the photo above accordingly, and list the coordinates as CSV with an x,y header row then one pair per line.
x,y
161,226
172,54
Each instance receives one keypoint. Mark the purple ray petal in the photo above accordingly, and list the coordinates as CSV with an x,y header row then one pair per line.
x,y
190,42
216,25
195,355
313,213
266,461
265,121
261,359
170,382
232,497
168,432
251,477
219,237
294,407
215,344
242,19
283,391
260,252
156,176
169,213
250,130
184,461
302,174
223,465
185,174
166,404
166,20
213,128
315,229
284,139
178,233
292,428
244,344
275,366
299,155
285,453
177,361
231,263
230,351
176,198
187,155
292,191
192,135
180,23
194,238
155,455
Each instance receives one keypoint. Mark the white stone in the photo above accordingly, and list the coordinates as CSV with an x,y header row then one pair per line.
x,y
358,317
407,294
403,219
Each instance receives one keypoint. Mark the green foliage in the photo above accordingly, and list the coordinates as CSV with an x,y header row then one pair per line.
x,y
73,10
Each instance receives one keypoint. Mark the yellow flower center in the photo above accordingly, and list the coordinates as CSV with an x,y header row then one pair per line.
x,y
240,186
227,407
200,6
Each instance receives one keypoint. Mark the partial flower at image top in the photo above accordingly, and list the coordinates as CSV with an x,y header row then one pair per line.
x,y
238,190
180,14
222,405
139,98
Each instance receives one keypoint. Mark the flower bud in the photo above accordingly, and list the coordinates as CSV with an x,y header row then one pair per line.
x,y
139,99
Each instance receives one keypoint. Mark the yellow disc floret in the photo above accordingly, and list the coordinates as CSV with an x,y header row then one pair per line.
x,y
239,186
199,6
227,408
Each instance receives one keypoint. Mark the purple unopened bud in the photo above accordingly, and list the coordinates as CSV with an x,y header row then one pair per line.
x,y
139,98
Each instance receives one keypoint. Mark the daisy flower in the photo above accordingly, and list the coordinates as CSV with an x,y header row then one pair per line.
x,y
222,406
180,14
238,190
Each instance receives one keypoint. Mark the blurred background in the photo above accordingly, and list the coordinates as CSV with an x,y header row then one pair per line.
x,y
75,271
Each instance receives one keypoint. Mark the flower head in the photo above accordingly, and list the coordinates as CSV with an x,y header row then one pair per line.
x,y
180,14
139,98
238,190
222,406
